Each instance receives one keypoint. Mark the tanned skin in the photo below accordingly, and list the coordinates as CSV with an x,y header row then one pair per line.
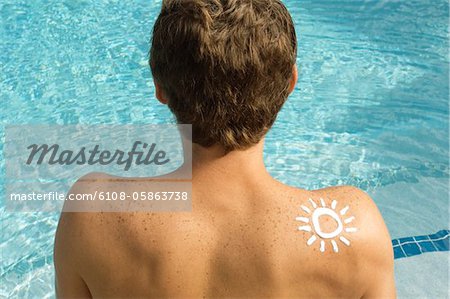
x,y
240,240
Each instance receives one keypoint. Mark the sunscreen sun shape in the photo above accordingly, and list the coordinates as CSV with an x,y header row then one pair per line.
x,y
312,224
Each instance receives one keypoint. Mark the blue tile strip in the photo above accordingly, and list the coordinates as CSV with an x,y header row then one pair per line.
x,y
410,246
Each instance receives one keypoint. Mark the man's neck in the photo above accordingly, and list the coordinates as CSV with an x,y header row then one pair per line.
x,y
238,165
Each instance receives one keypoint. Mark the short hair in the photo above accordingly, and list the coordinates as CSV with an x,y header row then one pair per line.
x,y
225,66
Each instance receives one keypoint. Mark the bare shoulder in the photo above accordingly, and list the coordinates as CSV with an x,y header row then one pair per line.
x,y
72,230
71,221
81,239
76,229
356,207
89,182
364,228
353,202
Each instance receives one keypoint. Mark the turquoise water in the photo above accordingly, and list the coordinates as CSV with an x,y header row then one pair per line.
x,y
370,108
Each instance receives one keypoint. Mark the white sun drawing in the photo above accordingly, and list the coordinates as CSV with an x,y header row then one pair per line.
x,y
312,224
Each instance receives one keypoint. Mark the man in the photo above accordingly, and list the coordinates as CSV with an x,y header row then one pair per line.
x,y
227,67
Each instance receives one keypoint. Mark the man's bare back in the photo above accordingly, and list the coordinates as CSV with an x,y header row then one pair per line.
x,y
226,68
241,240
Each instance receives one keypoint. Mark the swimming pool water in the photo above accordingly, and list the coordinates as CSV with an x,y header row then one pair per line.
x,y
370,108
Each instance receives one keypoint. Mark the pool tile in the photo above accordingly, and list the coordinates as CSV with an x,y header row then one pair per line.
x,y
411,249
410,246
442,245
427,246
398,253
441,234
407,239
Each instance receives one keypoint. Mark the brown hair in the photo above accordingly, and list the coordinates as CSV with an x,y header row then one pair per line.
x,y
225,66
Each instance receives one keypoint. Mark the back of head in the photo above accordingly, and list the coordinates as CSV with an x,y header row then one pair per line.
x,y
225,66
